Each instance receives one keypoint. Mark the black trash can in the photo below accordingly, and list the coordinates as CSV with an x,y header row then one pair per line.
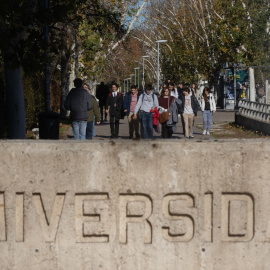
x,y
49,126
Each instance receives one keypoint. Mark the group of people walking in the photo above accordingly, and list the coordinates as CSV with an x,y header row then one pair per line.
x,y
145,110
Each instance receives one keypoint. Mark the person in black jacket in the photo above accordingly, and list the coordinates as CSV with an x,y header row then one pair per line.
x,y
78,102
102,95
113,107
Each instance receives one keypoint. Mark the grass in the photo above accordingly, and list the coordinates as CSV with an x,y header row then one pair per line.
x,y
64,125
232,130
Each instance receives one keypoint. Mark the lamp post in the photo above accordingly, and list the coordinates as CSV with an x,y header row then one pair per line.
x,y
158,41
131,75
137,68
143,82
128,86
125,85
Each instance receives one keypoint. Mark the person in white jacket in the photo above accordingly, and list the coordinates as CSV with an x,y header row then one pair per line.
x,y
208,107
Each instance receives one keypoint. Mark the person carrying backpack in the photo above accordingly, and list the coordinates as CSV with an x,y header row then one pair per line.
x,y
113,107
146,102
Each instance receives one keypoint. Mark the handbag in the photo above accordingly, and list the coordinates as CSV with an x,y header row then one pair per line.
x,y
139,114
165,116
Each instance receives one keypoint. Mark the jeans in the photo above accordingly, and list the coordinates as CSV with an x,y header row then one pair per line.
x,y
207,120
89,130
93,130
79,129
147,123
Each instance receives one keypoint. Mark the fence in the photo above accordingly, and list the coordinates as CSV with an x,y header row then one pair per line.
x,y
254,115
254,110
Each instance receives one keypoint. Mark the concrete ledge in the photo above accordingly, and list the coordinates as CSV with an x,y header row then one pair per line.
x,y
253,124
135,205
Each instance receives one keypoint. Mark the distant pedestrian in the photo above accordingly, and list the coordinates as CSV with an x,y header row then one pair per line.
x,y
102,95
78,102
195,92
146,103
180,89
93,133
165,101
113,107
173,90
208,107
189,109
93,117
129,105
181,96
86,87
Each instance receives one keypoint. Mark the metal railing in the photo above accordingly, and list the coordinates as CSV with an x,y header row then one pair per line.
x,y
254,110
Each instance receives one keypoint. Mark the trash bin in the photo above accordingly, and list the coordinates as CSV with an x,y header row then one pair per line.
x,y
49,126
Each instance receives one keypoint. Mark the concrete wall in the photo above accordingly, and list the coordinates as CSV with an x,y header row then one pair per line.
x,y
125,205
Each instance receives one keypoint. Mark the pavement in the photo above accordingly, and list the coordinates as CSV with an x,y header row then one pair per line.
x,y
221,116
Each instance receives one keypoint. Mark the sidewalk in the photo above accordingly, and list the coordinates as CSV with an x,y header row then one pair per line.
x,y
221,116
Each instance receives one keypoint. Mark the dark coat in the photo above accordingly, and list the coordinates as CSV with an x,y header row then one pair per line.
x,y
102,94
127,102
194,104
118,100
94,112
78,102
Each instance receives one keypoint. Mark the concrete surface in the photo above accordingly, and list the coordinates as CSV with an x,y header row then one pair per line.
x,y
103,130
147,205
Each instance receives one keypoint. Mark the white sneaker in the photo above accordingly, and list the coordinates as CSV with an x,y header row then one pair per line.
x,y
208,133
204,132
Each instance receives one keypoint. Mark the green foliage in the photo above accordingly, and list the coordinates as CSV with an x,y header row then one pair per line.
x,y
238,34
33,98
22,41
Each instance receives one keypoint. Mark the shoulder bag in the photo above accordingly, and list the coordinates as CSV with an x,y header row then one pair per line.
x,y
165,116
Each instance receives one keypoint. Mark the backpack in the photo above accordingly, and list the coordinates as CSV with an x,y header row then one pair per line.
x,y
139,112
152,97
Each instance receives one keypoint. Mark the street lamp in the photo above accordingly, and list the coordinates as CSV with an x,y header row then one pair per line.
x,y
125,88
131,75
145,56
158,41
137,68
127,83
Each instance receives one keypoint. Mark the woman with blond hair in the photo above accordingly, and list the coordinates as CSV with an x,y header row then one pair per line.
x,y
208,107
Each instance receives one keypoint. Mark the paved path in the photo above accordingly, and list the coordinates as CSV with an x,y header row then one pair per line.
x,y
103,130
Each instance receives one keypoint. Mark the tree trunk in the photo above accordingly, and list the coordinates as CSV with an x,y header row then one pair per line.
x,y
2,109
15,104
64,82
76,52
